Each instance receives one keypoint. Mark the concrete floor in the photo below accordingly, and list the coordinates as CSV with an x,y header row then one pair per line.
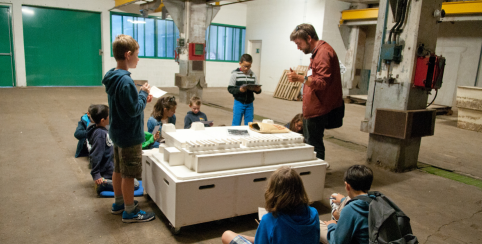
x,y
48,195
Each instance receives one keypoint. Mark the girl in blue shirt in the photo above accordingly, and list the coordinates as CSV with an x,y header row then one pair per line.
x,y
289,218
163,113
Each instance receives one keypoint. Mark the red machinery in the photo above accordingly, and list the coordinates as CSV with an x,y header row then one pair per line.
x,y
196,51
429,72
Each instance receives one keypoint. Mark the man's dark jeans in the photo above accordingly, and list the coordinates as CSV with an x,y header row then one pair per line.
x,y
313,131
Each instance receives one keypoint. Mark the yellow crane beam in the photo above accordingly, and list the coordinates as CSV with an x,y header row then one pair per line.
x,y
451,8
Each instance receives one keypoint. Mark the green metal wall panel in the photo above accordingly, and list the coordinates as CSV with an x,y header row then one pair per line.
x,y
6,54
62,47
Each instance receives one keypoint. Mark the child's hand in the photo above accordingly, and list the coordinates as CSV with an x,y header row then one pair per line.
x,y
243,89
157,136
329,222
338,198
211,124
146,87
336,214
257,89
99,181
149,98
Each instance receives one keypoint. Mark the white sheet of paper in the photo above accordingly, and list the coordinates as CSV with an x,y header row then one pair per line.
x,y
155,129
261,212
206,122
309,73
156,92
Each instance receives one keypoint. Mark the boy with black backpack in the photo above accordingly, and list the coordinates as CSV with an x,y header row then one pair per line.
x,y
363,216
352,225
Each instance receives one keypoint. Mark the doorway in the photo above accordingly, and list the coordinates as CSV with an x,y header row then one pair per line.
x,y
7,79
62,47
255,52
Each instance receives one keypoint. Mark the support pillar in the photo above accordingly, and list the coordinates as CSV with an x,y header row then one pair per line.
x,y
354,56
192,18
391,85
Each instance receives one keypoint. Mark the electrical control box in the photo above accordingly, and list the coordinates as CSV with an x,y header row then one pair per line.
x,y
196,51
391,52
429,72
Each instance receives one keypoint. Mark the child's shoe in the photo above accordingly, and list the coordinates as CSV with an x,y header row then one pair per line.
x,y
137,216
118,209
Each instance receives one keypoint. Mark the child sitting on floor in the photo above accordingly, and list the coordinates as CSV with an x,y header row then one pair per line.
x,y
101,153
163,113
195,114
289,218
81,134
349,222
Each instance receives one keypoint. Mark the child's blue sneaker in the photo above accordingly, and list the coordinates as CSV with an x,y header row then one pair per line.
x,y
118,209
137,216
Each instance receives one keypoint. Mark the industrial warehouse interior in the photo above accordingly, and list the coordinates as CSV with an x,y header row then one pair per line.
x,y
418,128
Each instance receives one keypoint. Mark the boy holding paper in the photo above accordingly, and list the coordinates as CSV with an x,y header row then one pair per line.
x,y
126,115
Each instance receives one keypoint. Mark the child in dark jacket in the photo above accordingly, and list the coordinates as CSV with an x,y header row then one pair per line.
x,y
289,218
195,114
101,153
81,134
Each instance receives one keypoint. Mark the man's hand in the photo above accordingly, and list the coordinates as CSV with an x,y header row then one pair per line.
x,y
99,181
243,89
329,222
146,87
293,77
149,98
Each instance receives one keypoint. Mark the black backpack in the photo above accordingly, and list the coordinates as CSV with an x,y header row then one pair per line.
x,y
387,223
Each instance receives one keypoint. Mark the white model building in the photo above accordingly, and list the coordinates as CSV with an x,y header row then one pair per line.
x,y
205,174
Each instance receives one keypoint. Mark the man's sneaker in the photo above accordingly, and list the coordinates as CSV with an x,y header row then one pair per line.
x,y
118,209
137,216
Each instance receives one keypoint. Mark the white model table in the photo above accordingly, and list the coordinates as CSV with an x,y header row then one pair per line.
x,y
222,190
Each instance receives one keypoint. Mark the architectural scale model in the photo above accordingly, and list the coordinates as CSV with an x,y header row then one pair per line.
x,y
205,174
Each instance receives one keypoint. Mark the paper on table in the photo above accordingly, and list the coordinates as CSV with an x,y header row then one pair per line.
x,y
206,122
261,212
156,92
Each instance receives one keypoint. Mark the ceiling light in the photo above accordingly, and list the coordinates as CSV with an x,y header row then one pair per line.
x,y
136,21
26,10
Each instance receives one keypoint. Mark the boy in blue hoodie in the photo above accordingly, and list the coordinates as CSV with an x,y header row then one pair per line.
x,y
126,127
289,219
352,225
101,153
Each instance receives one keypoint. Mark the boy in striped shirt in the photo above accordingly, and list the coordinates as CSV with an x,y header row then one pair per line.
x,y
243,84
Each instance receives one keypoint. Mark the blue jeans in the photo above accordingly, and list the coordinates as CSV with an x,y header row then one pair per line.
x,y
240,109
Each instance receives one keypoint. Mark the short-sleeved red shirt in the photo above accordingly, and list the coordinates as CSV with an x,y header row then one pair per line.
x,y
324,93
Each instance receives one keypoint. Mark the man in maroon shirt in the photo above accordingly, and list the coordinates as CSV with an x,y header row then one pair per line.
x,y
322,91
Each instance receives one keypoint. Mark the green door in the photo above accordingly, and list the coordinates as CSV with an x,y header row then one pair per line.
x,y
6,53
62,47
